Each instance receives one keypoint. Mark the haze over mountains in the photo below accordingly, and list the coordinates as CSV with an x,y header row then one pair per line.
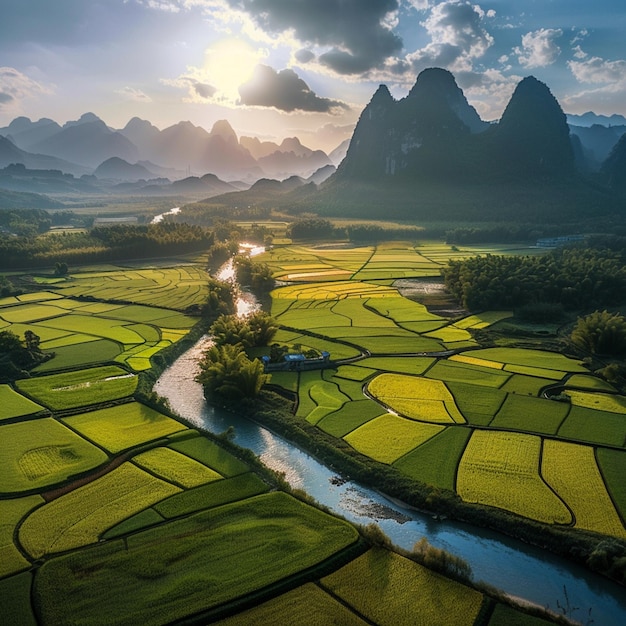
x,y
82,146
426,150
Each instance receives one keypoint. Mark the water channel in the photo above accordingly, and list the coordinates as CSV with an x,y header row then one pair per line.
x,y
520,570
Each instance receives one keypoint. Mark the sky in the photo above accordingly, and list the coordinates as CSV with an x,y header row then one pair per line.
x,y
279,68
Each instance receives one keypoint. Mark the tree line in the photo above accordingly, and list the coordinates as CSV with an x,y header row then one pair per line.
x,y
104,244
574,277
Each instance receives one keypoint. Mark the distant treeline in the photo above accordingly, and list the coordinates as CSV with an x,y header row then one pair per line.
x,y
574,277
206,213
104,244
510,233
320,228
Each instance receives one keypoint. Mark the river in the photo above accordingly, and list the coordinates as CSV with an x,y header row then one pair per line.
x,y
516,568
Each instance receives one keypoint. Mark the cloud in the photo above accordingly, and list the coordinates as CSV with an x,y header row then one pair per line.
x,y
609,92
597,70
160,5
16,87
539,48
284,90
457,33
358,33
304,55
197,89
489,91
136,95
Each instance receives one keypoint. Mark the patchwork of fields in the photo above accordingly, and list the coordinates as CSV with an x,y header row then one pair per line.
x,y
114,512
420,395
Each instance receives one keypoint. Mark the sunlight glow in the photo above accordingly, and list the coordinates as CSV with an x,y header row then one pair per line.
x,y
229,63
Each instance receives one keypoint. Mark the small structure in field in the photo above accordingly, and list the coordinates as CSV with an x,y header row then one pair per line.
x,y
297,362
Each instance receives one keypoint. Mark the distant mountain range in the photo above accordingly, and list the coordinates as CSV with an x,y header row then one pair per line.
x,y
140,151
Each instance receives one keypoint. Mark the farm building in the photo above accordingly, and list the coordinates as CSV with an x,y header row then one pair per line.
x,y
297,363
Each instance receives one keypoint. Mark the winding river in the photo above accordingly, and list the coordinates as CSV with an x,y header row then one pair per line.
x,y
520,570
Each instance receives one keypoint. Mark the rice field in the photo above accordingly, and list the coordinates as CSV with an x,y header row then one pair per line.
x,y
175,288
124,426
388,437
389,590
275,536
435,462
80,387
571,470
612,464
175,467
501,469
11,513
594,426
37,453
534,415
418,398
81,516
13,404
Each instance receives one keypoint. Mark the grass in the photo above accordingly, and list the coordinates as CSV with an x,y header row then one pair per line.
x,y
214,494
612,464
435,462
203,561
79,517
525,385
306,606
350,416
120,427
11,513
504,615
15,605
592,383
478,404
389,590
78,355
175,467
599,401
594,426
502,469
210,454
37,453
416,365
139,521
535,415
571,470
81,387
12,404
388,437
418,398
453,371
531,358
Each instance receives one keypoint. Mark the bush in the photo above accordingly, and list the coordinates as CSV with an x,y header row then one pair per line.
x,y
601,333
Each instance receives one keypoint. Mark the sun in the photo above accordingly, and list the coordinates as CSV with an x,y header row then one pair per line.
x,y
229,63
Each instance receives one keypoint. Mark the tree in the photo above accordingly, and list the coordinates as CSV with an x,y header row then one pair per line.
x,y
60,269
263,327
601,333
226,371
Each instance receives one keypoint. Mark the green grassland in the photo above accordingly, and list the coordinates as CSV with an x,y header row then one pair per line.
x,y
11,513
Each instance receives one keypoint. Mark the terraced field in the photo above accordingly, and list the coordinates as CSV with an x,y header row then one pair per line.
x,y
480,420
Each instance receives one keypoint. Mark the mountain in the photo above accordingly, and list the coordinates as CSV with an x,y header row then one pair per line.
x,y
532,137
87,141
423,134
24,133
257,148
590,118
597,141
20,200
321,175
429,155
614,168
118,169
144,136
339,153
10,153
209,185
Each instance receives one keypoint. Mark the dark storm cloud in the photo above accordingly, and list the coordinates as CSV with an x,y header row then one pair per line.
x,y
5,97
284,90
354,29
304,55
